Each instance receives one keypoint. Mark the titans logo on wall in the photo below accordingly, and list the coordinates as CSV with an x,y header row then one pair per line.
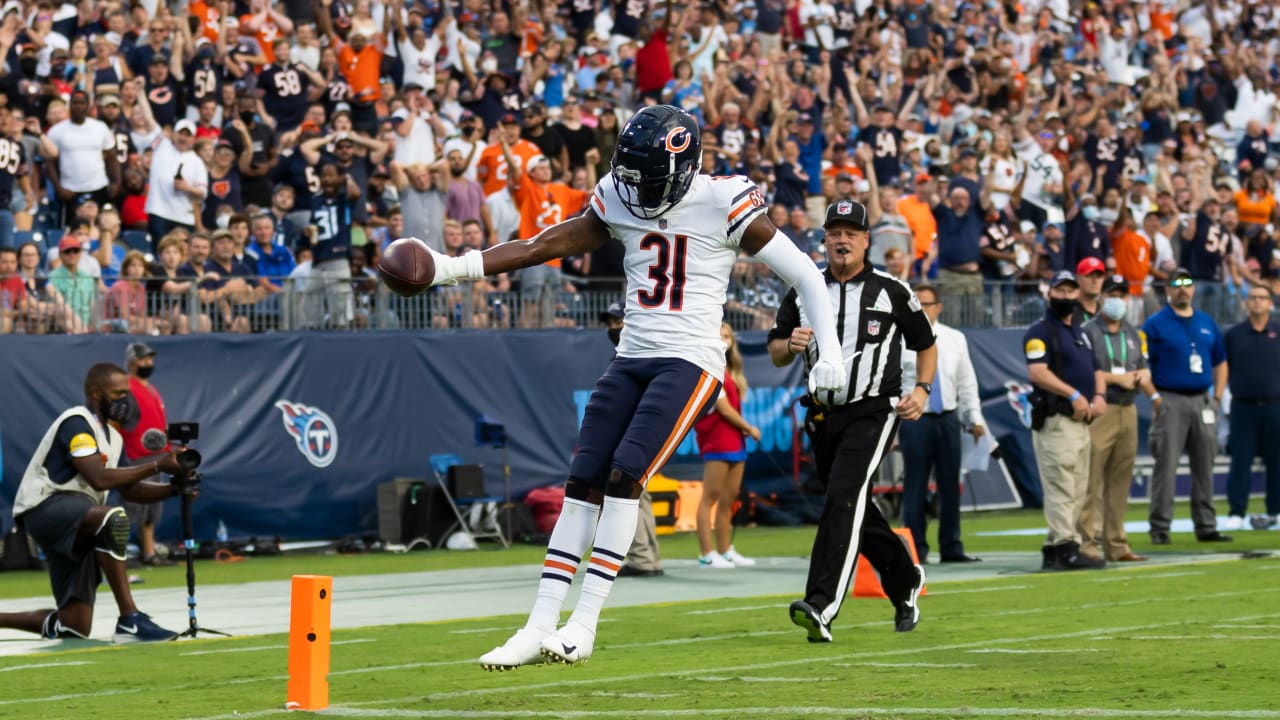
x,y
313,431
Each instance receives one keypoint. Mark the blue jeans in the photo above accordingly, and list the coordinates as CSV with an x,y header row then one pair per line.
x,y
6,228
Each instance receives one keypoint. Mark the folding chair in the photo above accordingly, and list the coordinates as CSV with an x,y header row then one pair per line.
x,y
448,469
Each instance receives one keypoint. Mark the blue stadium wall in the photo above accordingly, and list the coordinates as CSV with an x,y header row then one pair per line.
x,y
298,430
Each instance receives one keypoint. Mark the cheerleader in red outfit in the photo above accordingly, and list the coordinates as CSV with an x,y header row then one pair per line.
x,y
724,454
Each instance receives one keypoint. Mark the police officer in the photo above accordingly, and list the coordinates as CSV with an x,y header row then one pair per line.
x,y
1069,392
1120,354
1253,354
852,430
62,503
1188,359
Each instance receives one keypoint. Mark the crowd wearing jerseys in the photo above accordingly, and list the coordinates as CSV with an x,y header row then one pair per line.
x,y
994,143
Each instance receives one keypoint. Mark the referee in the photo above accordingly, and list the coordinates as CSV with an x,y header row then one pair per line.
x,y
852,430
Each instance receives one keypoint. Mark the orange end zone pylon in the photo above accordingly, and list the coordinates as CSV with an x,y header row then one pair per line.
x,y
310,610
866,583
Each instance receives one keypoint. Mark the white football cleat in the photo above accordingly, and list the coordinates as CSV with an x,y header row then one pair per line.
x,y
570,644
738,560
521,649
1234,522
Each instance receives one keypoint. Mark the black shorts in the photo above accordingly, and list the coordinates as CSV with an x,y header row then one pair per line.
x,y
54,524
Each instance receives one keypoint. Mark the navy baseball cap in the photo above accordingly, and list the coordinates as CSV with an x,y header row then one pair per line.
x,y
614,311
847,211
1063,277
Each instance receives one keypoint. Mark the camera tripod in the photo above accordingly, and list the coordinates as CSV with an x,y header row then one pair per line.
x,y
188,544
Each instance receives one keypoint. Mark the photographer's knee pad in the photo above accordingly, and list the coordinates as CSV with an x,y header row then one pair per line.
x,y
112,537
622,485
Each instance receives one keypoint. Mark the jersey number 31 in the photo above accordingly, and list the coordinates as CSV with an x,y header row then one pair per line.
x,y
667,271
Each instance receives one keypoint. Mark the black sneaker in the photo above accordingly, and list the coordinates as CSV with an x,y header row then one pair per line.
x,y
1159,537
803,614
1070,558
1214,536
628,571
907,614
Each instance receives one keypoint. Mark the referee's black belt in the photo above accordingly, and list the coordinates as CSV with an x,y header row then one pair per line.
x,y
1184,393
944,413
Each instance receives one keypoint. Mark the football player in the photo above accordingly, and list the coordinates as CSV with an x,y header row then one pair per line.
x,y
682,232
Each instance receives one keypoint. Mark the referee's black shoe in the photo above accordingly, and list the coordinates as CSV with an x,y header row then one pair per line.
x,y
907,614
803,614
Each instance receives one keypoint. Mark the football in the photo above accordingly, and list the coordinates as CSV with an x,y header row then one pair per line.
x,y
407,267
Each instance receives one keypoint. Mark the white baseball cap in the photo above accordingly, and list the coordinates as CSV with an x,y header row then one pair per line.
x,y
184,124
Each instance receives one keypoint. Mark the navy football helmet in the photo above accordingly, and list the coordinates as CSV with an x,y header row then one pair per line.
x,y
658,155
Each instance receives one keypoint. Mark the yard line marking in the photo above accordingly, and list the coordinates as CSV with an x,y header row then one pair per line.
x,y
497,628
603,693
1246,627
747,678
71,696
704,638
247,715
907,665
714,611
257,648
348,711
1015,651
46,665
1145,576
979,590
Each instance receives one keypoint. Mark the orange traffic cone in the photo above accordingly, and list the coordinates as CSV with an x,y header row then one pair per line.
x,y
866,582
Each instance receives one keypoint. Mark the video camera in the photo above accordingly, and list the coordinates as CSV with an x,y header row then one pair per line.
x,y
183,433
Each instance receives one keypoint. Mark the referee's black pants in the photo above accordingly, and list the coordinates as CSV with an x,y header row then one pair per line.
x,y
848,445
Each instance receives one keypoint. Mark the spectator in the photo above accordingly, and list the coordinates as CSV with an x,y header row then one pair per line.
x,y
287,86
126,301
360,62
87,166
47,311
225,286
334,210
417,125
247,131
179,182
960,229
166,293
464,198
224,184
14,303
422,202
1187,361
917,210
271,261
1090,274
74,283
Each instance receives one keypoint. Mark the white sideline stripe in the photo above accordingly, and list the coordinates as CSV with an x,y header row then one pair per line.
x,y
602,693
1212,636
908,665
1046,651
978,590
705,638
70,696
755,679
667,673
1246,627
347,711
46,665
1145,576
715,611
256,648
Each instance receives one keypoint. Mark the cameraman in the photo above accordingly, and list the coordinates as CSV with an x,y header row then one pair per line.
x,y
62,503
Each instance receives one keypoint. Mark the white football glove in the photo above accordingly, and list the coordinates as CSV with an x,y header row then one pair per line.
x,y
827,375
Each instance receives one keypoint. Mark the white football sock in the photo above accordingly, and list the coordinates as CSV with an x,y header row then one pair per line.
x,y
569,539
613,538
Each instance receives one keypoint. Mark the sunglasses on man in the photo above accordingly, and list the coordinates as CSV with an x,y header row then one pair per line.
x,y
1182,282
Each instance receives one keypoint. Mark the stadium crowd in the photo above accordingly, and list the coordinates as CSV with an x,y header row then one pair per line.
x,y
225,165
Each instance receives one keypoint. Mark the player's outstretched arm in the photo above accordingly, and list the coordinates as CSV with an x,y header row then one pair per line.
x,y
574,236
767,243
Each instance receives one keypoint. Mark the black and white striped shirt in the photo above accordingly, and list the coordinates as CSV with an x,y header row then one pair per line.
x,y
875,315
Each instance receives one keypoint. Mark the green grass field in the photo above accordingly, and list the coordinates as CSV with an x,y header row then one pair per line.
x,y
1198,640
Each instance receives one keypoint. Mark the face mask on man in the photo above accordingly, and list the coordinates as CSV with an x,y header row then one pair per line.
x,y
1090,212
1114,308
123,411
1062,307
144,371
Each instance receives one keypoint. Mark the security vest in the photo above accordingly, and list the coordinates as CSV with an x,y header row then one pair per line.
x,y
37,486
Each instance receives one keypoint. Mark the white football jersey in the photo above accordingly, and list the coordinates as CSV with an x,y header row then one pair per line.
x,y
678,267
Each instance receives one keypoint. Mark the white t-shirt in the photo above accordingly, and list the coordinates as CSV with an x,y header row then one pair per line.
x,y
163,199
419,146
825,14
1006,172
420,65
80,147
